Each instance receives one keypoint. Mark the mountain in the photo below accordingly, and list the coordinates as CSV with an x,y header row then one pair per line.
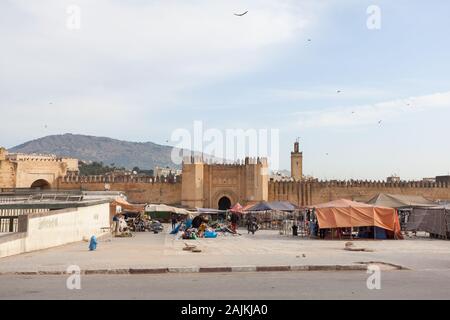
x,y
146,155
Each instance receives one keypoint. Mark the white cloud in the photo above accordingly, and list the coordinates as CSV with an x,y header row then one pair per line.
x,y
371,114
167,45
130,57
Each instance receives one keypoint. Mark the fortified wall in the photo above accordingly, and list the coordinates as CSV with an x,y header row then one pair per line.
x,y
213,185
32,170
310,193
138,189
151,190
205,184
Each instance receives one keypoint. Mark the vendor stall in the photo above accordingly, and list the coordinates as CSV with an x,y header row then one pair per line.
x,y
435,221
341,216
163,212
275,214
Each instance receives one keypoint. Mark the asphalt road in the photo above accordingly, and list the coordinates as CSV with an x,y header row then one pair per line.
x,y
431,284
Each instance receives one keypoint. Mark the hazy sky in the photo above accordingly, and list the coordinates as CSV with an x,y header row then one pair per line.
x,y
137,70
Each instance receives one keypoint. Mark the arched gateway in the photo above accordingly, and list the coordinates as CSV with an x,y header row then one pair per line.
x,y
40,184
224,203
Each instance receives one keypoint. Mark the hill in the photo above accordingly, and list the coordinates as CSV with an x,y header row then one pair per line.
x,y
145,155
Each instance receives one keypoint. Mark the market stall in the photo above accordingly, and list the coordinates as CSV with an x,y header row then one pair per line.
x,y
340,217
275,214
163,212
435,221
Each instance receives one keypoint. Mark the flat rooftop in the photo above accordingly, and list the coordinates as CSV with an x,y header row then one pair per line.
x,y
54,200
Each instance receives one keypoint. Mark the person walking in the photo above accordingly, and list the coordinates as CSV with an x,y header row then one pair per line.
x,y
234,221
174,221
115,224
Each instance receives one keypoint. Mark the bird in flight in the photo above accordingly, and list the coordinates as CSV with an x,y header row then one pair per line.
x,y
379,122
339,91
241,14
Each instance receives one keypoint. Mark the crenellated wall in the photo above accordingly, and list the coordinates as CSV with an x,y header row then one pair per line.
x,y
151,190
138,190
205,184
23,171
310,193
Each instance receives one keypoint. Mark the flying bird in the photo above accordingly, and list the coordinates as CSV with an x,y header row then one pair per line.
x,y
241,14
339,91
379,122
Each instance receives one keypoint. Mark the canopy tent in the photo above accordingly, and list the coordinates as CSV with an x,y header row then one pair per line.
x,y
346,213
125,205
237,208
435,221
248,206
274,206
400,201
164,212
166,208
444,204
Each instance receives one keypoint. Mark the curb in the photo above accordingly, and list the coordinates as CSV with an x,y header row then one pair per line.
x,y
141,271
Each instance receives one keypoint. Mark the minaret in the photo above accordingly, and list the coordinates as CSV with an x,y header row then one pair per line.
x,y
297,162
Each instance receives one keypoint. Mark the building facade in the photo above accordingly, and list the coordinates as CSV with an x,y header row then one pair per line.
x,y
223,185
33,171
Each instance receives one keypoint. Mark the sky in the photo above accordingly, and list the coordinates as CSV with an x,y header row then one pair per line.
x,y
365,103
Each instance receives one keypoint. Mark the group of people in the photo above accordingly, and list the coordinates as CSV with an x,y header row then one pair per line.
x,y
193,228
119,224
200,226
310,223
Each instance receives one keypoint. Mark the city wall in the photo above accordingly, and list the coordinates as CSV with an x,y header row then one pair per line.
x,y
138,190
310,193
147,190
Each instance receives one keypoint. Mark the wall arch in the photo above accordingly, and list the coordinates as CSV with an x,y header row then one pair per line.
x,y
40,184
227,193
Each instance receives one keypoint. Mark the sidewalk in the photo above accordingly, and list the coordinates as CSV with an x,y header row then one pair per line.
x,y
148,251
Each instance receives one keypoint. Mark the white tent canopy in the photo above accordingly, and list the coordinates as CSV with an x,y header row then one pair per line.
x,y
166,208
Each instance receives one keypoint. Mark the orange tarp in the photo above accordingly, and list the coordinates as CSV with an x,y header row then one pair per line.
x,y
128,206
345,214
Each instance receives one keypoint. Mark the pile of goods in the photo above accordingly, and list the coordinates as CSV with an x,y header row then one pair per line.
x,y
199,227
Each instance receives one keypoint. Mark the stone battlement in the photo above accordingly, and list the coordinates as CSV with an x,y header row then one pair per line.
x,y
366,184
75,179
35,157
313,192
320,184
236,163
